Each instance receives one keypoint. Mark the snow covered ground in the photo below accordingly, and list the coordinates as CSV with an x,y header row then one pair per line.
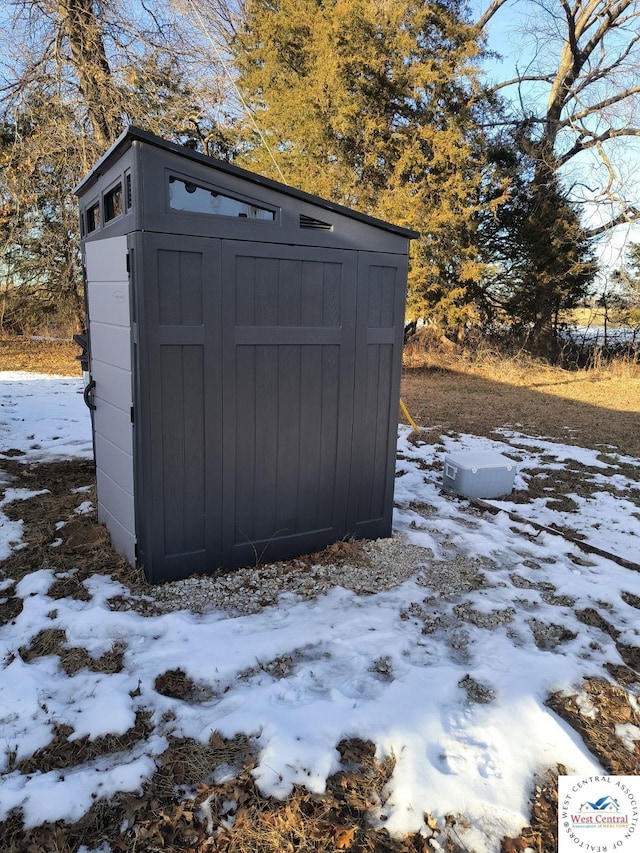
x,y
459,701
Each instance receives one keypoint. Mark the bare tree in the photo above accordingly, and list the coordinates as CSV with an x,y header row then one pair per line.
x,y
73,73
586,63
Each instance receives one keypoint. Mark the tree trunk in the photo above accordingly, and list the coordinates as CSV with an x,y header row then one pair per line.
x,y
81,28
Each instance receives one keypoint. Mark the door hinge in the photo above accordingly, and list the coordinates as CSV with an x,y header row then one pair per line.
x,y
132,415
128,262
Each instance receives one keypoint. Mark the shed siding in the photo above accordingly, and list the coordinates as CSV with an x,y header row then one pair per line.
x,y
108,301
183,457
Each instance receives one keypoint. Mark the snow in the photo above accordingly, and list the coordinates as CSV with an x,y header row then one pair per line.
x,y
454,754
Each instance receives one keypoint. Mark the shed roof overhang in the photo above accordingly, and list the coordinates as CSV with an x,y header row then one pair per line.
x,y
133,134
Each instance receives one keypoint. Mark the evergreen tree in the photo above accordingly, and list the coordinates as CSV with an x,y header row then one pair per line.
x,y
540,257
376,104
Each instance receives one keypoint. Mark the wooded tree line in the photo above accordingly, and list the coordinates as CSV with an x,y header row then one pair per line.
x,y
382,105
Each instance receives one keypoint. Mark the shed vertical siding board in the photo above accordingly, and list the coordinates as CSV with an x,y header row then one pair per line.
x,y
266,288
288,427
246,456
368,435
191,288
331,498
262,524
179,385
379,346
310,515
180,300
390,305
374,480
289,292
168,267
183,454
312,294
195,449
332,295
246,300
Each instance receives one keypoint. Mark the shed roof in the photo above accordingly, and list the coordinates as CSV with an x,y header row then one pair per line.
x,y
132,134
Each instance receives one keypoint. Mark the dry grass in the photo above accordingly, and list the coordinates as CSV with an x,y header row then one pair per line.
x,y
448,391
40,356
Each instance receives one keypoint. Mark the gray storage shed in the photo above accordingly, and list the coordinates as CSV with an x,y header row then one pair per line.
x,y
245,344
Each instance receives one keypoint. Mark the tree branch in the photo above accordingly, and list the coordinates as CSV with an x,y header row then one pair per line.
x,y
602,105
628,215
584,144
493,7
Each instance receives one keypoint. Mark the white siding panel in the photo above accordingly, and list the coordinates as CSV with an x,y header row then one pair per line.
x,y
123,540
109,302
116,427
106,260
117,501
111,458
113,386
110,345
110,349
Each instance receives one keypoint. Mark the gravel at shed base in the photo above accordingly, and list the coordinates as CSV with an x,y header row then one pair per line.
x,y
366,567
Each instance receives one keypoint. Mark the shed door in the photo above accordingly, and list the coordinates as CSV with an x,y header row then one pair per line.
x,y
246,361
289,361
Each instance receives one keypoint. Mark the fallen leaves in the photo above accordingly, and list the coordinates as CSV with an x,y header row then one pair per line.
x,y
611,706
343,838
515,845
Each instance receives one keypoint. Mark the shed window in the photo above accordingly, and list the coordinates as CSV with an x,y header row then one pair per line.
x,y
93,217
113,203
185,195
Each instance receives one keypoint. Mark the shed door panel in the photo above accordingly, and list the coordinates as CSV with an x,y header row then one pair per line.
x,y
178,435
381,295
289,342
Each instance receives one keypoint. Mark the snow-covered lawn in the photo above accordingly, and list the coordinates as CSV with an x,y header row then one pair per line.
x,y
459,703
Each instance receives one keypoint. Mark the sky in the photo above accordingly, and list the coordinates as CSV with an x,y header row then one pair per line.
x,y
459,703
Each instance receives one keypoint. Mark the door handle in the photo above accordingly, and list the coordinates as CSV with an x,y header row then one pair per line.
x,y
88,394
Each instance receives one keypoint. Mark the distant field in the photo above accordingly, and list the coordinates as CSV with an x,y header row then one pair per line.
x,y
585,317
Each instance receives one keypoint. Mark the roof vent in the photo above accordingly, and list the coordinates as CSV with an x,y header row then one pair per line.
x,y
317,224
